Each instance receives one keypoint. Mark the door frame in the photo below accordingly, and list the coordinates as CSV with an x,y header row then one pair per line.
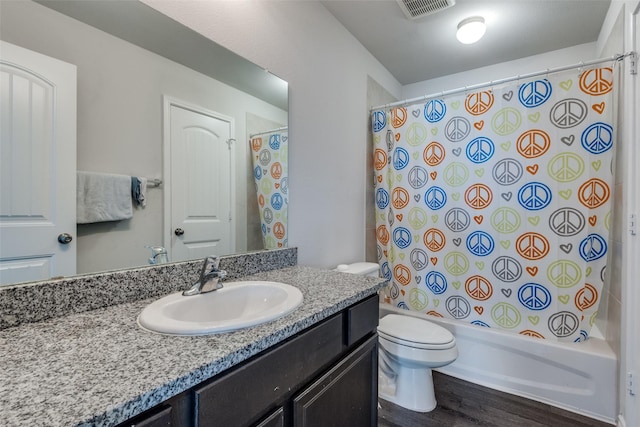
x,y
630,366
167,103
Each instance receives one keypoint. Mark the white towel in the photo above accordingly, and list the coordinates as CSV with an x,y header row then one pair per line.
x,y
103,197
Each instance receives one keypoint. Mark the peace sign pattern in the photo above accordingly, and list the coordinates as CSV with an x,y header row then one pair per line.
x,y
493,206
269,153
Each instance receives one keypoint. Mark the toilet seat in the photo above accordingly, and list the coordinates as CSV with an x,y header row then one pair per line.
x,y
421,346
415,333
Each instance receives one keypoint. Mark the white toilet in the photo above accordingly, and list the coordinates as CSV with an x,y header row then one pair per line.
x,y
409,349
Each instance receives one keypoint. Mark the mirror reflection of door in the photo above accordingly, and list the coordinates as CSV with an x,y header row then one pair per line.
x,y
198,169
37,166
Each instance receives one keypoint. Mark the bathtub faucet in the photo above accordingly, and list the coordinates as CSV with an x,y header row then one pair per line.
x,y
210,277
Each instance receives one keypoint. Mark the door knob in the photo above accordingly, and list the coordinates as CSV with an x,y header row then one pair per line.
x,y
65,238
179,231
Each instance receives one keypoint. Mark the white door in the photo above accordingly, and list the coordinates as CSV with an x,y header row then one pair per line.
x,y
37,165
200,181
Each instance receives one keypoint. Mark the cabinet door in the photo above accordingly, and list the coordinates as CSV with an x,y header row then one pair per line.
x,y
243,395
347,395
276,419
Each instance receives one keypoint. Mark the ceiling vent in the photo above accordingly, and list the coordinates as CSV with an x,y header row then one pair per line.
x,y
415,9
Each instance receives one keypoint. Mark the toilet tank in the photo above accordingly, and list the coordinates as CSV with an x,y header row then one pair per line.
x,y
370,269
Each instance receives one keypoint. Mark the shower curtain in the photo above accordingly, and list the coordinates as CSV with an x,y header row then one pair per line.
x,y
494,206
270,171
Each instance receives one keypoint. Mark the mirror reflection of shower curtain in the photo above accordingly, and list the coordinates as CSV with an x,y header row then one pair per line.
x,y
494,207
269,153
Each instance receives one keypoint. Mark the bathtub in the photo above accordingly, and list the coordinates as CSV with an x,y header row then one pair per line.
x,y
578,377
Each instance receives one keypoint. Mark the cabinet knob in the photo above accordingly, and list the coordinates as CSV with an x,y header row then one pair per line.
x,y
179,231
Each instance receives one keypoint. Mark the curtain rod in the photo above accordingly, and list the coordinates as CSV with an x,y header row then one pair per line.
x,y
269,131
618,57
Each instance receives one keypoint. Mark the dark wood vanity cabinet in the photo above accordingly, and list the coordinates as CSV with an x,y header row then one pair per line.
x,y
324,376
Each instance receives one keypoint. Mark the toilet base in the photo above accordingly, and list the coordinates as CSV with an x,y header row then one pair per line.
x,y
410,388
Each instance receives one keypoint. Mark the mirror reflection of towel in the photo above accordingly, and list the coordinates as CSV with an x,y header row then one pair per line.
x,y
103,197
143,192
139,190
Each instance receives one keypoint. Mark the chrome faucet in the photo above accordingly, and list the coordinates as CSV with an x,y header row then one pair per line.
x,y
159,255
210,277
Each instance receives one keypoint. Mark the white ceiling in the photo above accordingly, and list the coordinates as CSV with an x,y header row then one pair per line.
x,y
425,48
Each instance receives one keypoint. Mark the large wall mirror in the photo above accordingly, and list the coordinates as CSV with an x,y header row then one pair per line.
x,y
134,67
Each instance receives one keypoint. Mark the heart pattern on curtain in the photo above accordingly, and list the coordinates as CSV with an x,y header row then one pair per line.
x,y
494,207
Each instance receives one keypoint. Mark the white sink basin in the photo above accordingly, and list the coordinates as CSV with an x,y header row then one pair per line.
x,y
237,305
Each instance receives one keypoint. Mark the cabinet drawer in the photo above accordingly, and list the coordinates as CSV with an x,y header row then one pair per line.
x,y
160,417
242,396
362,319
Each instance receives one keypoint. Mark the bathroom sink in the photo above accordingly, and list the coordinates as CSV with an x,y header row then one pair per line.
x,y
237,305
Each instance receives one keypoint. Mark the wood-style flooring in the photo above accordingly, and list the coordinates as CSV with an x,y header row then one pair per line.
x,y
464,404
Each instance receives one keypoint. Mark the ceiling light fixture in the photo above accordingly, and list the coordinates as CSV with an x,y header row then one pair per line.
x,y
471,30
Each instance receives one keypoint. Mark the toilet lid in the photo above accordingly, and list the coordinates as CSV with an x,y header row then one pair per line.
x,y
413,330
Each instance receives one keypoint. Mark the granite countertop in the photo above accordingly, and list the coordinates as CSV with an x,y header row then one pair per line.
x,y
100,368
